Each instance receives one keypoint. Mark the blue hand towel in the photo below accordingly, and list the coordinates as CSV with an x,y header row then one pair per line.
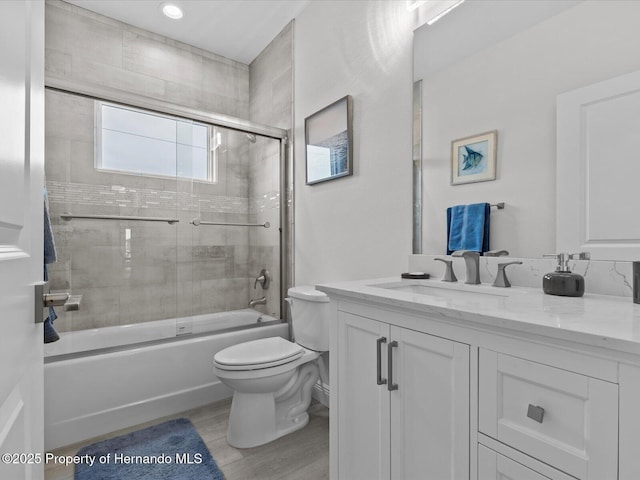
x,y
49,245
468,227
50,256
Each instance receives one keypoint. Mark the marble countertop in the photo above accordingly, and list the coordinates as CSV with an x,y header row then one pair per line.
x,y
599,320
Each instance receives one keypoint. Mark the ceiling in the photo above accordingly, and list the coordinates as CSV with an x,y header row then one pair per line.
x,y
236,29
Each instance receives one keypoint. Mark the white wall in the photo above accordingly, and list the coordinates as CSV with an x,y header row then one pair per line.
x,y
359,226
512,87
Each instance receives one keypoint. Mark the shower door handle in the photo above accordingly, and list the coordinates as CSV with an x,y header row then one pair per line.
x,y
391,386
379,342
44,299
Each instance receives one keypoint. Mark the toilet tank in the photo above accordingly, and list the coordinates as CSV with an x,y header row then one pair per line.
x,y
310,317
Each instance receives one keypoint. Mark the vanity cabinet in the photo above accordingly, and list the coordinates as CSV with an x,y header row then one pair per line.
x,y
402,402
478,397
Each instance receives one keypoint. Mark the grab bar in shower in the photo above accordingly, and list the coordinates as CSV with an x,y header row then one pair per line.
x,y
196,222
170,221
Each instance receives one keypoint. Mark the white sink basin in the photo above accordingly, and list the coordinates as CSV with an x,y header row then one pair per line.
x,y
434,288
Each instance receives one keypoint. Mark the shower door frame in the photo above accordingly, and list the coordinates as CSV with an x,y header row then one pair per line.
x,y
114,95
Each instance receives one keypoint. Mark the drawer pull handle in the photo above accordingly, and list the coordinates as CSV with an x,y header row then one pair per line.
x,y
379,342
535,413
391,386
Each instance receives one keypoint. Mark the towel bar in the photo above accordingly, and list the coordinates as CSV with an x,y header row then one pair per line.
x,y
170,221
197,222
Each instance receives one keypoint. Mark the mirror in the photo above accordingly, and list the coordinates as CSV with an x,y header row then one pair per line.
x,y
328,142
507,77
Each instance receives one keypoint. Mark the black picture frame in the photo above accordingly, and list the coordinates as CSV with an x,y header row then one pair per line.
x,y
328,137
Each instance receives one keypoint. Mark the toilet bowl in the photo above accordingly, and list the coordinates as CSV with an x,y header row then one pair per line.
x,y
271,393
273,378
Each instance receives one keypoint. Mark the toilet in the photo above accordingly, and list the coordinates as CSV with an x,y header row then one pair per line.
x,y
272,378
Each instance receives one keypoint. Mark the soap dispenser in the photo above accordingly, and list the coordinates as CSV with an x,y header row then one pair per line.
x,y
563,282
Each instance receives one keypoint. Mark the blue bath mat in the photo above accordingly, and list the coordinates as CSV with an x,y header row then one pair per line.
x,y
172,450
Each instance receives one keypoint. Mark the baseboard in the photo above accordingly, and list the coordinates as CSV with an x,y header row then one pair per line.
x,y
321,393
82,428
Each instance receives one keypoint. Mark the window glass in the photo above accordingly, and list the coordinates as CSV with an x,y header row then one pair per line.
x,y
133,141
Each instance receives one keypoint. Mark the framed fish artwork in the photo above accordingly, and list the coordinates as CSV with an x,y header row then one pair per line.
x,y
473,159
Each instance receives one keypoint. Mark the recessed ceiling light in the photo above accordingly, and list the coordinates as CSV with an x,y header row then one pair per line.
x,y
172,11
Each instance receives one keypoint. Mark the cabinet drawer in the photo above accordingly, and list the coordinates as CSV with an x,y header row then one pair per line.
x,y
567,420
493,466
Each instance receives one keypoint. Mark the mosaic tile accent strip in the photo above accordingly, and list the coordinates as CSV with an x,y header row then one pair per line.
x,y
267,201
117,195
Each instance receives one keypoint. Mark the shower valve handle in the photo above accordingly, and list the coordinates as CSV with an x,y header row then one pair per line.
x,y
264,279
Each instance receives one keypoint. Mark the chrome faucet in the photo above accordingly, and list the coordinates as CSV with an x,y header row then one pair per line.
x,y
472,261
448,276
501,277
257,301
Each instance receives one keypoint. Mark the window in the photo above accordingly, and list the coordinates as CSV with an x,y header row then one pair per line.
x,y
135,141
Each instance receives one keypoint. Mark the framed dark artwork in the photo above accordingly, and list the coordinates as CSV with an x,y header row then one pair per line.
x,y
328,137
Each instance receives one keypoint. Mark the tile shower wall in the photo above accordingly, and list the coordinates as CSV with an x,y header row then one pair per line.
x,y
137,271
86,47
271,103
130,272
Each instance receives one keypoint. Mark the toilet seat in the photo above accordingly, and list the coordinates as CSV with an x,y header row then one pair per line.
x,y
258,354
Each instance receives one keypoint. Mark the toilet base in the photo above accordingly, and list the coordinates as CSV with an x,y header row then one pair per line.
x,y
259,418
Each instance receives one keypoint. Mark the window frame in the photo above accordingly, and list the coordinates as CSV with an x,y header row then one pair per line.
x,y
212,155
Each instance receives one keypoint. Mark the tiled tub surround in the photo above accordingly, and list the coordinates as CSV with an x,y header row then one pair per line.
x,y
601,277
131,272
186,270
270,103
264,184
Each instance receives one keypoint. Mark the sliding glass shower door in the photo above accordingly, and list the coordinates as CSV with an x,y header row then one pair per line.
x,y
162,192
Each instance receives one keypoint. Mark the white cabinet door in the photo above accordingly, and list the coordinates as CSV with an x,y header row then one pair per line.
x,y
363,405
430,408
419,430
21,227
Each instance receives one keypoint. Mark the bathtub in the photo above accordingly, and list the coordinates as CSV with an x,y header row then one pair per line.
x,y
100,380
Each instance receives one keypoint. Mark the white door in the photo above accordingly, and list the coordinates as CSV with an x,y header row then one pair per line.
x,y
363,404
21,227
429,408
597,169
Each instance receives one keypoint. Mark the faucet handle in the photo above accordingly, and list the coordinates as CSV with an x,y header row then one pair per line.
x,y
501,277
448,276
264,279
580,256
465,253
496,253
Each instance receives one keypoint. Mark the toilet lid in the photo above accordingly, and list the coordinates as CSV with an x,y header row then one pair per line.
x,y
263,353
